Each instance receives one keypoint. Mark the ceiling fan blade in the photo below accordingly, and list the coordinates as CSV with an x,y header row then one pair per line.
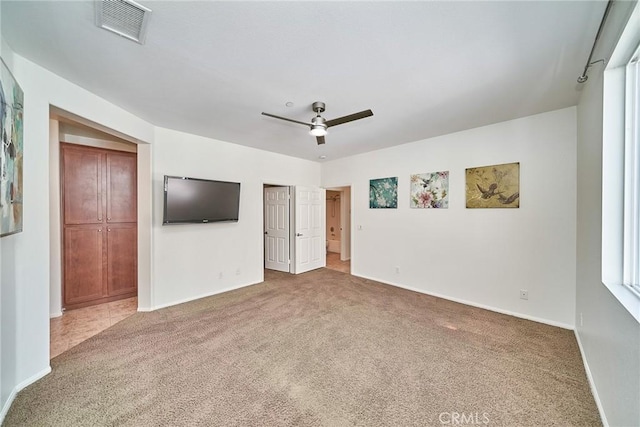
x,y
320,140
284,118
349,118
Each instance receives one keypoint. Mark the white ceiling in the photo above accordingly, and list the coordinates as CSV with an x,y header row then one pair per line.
x,y
424,68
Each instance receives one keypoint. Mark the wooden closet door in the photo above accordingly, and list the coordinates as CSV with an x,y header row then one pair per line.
x,y
121,188
82,177
99,203
122,266
84,263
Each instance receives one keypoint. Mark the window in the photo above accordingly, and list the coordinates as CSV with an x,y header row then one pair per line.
x,y
631,252
621,169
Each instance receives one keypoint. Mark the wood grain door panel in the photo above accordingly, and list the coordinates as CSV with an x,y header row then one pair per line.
x,y
83,264
122,269
99,221
83,195
121,188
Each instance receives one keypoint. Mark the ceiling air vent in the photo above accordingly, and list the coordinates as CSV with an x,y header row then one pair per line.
x,y
123,17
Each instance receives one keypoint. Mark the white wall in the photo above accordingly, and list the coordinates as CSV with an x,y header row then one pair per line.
x,y
189,259
25,263
479,256
7,313
25,274
55,219
609,335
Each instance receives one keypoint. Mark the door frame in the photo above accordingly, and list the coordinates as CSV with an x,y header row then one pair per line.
x,y
346,212
292,221
144,191
104,149
277,233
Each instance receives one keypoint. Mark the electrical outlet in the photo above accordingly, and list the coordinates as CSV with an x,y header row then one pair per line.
x,y
220,275
238,271
397,270
581,319
524,294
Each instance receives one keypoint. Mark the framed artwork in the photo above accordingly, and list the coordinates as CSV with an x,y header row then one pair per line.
x,y
430,190
383,193
496,186
11,155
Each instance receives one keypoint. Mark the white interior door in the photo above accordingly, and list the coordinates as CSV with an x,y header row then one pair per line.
x,y
276,228
310,229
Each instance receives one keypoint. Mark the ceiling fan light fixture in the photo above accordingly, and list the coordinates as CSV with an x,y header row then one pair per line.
x,y
318,130
318,126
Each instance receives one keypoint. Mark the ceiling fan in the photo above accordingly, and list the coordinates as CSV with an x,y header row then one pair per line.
x,y
318,126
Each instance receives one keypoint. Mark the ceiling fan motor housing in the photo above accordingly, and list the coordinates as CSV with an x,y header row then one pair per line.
x,y
318,126
318,121
318,107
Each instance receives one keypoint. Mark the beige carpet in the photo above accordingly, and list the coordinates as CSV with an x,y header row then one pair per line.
x,y
319,349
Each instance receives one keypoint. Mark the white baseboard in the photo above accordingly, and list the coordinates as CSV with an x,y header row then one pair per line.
x,y
54,315
17,388
209,294
475,304
592,385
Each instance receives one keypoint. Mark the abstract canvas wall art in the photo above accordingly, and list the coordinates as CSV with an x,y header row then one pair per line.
x,y
383,193
11,155
496,186
430,190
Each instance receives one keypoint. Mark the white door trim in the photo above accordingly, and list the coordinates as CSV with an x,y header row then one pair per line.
x,y
276,201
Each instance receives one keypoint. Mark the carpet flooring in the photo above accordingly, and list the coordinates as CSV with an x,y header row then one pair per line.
x,y
319,349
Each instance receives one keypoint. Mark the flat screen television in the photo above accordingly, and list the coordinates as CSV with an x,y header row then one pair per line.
x,y
194,200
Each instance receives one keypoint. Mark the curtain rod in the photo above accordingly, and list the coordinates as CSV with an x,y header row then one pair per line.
x,y
583,78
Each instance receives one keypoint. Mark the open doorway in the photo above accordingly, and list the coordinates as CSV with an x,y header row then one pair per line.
x,y
338,228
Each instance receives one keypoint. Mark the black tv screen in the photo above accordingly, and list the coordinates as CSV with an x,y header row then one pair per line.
x,y
194,200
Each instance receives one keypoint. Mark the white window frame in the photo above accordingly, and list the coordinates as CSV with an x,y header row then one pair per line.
x,y
631,252
621,170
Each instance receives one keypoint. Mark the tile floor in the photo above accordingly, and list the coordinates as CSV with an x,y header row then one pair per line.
x,y
75,326
334,263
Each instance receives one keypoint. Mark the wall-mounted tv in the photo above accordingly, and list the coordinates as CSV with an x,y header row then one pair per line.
x,y
194,200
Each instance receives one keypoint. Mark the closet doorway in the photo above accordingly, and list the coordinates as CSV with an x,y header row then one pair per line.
x,y
99,225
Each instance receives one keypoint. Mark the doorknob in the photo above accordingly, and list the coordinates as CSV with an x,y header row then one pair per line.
x,y
299,234
266,232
